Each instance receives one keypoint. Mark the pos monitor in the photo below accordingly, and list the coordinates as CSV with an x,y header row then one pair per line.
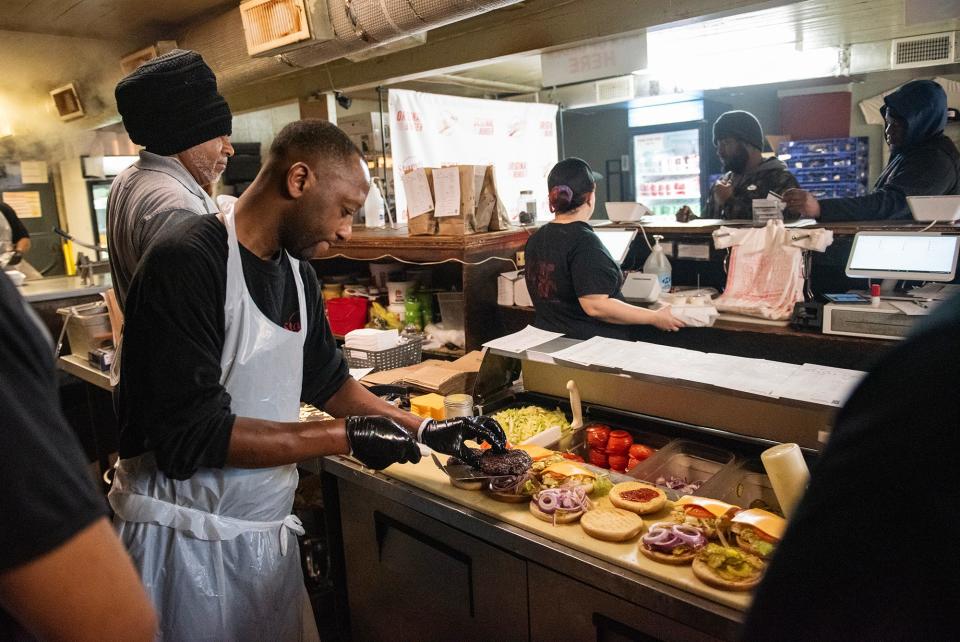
x,y
617,242
903,256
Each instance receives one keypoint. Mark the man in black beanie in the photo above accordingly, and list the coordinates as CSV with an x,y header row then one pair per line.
x,y
170,106
739,140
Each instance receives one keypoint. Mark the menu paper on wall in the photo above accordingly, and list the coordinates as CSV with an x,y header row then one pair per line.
x,y
417,188
527,338
446,188
821,384
25,204
33,172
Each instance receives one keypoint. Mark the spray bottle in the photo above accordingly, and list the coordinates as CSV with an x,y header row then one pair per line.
x,y
658,264
373,207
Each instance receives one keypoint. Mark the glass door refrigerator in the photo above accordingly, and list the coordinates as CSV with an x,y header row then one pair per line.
x,y
673,154
97,193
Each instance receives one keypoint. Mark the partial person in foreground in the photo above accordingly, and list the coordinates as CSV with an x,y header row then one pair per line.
x,y
923,161
63,573
572,279
869,553
738,138
171,106
12,231
225,337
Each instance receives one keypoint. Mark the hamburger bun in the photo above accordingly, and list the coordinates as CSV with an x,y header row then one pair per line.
x,y
559,517
611,524
509,498
668,558
467,484
707,576
638,497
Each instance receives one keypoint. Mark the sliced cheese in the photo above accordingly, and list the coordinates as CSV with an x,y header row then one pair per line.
x,y
429,406
536,452
713,506
772,525
568,469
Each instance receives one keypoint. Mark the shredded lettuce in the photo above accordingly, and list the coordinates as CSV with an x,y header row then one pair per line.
x,y
521,424
601,486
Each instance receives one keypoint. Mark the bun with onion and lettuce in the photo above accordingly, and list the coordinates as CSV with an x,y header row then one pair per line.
x,y
672,543
560,505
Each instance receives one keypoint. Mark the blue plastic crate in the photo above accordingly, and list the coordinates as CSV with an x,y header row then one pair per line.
x,y
824,146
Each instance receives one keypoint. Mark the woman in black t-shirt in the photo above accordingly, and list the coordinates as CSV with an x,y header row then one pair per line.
x,y
572,279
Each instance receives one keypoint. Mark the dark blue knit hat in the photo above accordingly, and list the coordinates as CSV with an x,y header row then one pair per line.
x,y
741,125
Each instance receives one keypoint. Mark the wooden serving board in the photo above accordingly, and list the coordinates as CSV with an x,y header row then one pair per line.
x,y
426,476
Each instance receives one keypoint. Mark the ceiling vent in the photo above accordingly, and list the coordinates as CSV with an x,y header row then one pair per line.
x,y
131,61
922,51
274,26
67,102
614,90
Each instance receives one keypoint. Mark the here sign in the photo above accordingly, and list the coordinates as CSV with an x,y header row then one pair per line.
x,y
614,57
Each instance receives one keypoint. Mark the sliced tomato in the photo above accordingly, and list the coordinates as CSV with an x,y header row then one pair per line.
x,y
597,435
699,513
572,456
619,442
484,445
640,452
598,457
618,462
631,462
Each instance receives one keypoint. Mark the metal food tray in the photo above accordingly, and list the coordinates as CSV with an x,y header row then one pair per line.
x,y
684,458
746,485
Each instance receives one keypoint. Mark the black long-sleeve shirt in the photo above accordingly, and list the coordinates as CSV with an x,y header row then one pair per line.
x,y
930,168
17,229
169,398
871,551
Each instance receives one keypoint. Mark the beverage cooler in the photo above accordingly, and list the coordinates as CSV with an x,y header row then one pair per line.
x,y
97,193
673,154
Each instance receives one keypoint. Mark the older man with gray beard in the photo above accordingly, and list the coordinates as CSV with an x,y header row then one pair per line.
x,y
170,106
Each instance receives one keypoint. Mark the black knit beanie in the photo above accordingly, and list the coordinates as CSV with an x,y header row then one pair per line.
x,y
171,103
741,125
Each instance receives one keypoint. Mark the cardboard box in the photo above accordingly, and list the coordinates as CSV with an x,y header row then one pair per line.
x,y
506,285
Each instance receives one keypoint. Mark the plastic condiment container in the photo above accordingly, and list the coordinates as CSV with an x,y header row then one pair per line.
x,y
458,405
788,474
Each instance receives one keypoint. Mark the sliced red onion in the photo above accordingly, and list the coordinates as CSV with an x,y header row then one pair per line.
x,y
664,537
547,502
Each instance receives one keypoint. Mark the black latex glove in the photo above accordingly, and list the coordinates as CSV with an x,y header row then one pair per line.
x,y
378,442
448,436
15,258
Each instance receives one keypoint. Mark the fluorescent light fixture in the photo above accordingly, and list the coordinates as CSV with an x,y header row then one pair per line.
x,y
681,112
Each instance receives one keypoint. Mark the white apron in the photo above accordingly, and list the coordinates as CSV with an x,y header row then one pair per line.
x,y
216,552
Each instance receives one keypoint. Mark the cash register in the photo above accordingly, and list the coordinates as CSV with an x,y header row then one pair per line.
x,y
891,257
637,287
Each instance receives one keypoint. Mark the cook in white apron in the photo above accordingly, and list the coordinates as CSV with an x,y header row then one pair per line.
x,y
218,552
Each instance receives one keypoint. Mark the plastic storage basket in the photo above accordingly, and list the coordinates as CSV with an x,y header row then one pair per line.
x,y
405,354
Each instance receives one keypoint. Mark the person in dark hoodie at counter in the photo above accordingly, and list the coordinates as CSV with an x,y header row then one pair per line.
x,y
923,161
573,281
738,138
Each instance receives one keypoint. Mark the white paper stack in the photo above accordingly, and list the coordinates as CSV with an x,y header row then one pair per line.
x,y
371,339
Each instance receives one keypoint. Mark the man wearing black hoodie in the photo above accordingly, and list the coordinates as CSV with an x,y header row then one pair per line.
x,y
923,162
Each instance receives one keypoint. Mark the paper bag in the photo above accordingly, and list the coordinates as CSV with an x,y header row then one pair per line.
x,y
418,199
491,213
465,222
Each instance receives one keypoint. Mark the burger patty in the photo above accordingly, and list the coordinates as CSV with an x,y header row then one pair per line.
x,y
456,461
510,462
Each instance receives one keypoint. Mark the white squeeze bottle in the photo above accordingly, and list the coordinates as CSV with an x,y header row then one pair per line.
x,y
373,207
658,264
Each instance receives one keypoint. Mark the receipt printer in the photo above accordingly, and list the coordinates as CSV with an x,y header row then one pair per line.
x,y
641,288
